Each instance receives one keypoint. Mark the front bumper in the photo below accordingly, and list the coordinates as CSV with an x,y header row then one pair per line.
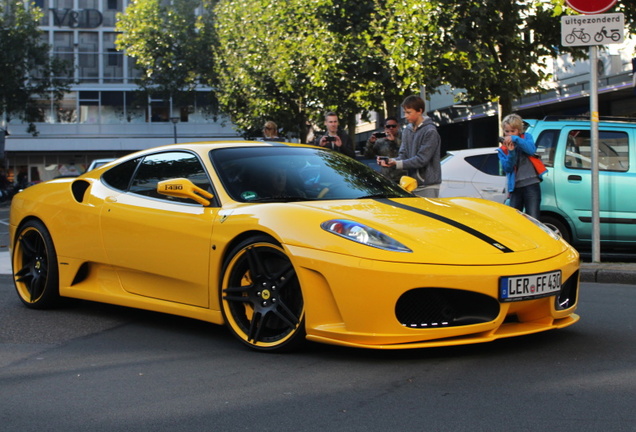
x,y
358,302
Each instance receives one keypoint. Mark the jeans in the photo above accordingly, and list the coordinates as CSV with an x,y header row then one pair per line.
x,y
528,199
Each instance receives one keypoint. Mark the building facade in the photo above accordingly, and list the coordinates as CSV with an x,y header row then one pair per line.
x,y
103,115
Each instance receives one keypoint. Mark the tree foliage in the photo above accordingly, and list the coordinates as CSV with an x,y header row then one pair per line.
x,y
496,49
406,34
171,43
277,61
28,73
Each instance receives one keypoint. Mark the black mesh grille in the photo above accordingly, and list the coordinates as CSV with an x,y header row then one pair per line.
x,y
442,307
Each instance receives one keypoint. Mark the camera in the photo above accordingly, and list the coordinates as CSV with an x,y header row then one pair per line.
x,y
379,135
330,139
384,158
501,139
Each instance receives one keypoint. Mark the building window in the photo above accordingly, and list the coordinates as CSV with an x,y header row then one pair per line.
x,y
113,60
67,109
88,60
89,107
110,13
136,107
113,107
44,5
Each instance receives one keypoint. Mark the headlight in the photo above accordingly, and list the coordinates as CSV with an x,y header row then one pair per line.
x,y
363,234
555,235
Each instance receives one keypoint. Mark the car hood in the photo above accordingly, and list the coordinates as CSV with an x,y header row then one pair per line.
x,y
462,231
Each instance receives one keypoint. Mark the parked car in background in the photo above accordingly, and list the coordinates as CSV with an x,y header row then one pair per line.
x,y
99,162
473,173
564,145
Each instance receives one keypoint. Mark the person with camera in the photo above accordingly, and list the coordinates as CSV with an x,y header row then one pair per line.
x,y
386,144
335,138
517,147
419,153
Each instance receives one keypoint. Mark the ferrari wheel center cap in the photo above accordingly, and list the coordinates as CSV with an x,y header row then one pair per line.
x,y
266,294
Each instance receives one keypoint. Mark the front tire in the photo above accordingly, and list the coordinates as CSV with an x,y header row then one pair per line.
x,y
35,271
261,297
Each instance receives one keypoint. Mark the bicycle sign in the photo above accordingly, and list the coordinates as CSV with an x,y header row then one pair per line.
x,y
584,30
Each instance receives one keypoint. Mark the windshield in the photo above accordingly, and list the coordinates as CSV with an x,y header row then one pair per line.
x,y
283,174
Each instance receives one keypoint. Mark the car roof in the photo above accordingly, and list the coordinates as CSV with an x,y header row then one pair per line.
x,y
472,151
582,119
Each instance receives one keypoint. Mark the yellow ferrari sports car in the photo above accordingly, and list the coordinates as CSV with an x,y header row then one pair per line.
x,y
284,243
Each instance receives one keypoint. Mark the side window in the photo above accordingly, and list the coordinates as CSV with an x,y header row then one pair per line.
x,y
613,150
487,163
119,177
169,165
546,146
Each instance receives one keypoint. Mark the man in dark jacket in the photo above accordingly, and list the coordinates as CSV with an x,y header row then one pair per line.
x,y
335,139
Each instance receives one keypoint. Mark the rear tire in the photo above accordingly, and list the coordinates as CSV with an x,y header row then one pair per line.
x,y
35,271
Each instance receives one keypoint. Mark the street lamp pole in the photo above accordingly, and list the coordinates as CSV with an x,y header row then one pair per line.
x,y
174,121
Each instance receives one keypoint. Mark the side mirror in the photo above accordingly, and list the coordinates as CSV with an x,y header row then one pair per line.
x,y
184,188
408,183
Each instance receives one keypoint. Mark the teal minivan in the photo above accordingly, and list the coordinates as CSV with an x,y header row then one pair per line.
x,y
566,201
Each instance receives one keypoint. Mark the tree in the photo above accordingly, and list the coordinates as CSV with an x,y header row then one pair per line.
x,y
629,9
276,61
497,49
172,44
410,45
29,72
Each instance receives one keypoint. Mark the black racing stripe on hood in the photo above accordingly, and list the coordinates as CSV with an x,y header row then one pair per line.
x,y
451,222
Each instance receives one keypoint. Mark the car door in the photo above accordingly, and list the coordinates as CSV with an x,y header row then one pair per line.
x,y
572,182
488,179
160,245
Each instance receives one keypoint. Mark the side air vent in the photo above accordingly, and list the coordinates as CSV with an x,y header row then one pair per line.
x,y
79,188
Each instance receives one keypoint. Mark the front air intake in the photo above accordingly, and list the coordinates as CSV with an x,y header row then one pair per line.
x,y
443,307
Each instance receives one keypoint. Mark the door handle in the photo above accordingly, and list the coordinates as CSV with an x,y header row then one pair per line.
x,y
575,178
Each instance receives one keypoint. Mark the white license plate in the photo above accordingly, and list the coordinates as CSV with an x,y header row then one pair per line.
x,y
514,288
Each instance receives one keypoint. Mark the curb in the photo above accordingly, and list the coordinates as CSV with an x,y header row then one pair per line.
x,y
610,273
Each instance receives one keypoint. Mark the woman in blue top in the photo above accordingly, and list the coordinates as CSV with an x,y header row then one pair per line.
x,y
523,182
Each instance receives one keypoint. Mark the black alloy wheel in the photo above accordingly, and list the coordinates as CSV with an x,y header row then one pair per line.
x,y
261,297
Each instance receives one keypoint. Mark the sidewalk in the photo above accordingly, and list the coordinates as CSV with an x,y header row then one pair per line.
x,y
620,273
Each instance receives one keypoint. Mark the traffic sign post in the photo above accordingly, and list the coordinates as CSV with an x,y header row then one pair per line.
x,y
587,30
